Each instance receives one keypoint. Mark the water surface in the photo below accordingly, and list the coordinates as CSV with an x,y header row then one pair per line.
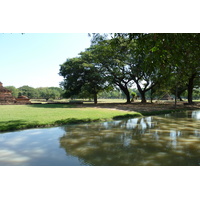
x,y
172,139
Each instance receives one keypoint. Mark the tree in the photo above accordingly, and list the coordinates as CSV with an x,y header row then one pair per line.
x,y
15,91
28,91
143,71
82,75
111,62
190,63
49,92
155,57
56,92
127,60
113,93
174,53
134,95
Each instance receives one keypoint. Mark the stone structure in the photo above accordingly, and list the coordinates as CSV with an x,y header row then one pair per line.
x,y
166,97
23,100
6,96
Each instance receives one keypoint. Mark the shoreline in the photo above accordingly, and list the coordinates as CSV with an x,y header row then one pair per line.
x,y
134,110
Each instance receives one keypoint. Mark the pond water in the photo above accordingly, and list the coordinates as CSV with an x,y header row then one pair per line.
x,y
165,140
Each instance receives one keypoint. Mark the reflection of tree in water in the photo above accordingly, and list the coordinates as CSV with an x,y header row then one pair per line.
x,y
140,141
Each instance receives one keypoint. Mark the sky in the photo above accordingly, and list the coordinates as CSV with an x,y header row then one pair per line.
x,y
34,59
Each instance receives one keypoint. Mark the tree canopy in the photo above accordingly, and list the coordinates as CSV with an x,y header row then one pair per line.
x,y
151,61
37,93
81,76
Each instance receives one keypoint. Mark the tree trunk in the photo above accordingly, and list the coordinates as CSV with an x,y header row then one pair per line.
x,y
180,90
176,96
151,96
190,88
179,96
126,92
142,92
128,100
143,98
95,98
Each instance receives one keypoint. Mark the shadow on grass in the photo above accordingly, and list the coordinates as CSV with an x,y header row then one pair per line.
x,y
87,120
134,115
16,125
13,125
75,121
52,105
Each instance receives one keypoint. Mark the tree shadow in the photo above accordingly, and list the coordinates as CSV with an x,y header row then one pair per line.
x,y
74,121
12,125
53,105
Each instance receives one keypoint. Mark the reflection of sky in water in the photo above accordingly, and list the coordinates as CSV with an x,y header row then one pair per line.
x,y
109,124
196,114
158,140
33,147
173,136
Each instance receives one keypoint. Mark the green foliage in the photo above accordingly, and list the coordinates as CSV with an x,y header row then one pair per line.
x,y
14,90
49,93
28,91
37,93
154,62
111,60
196,93
133,95
112,94
82,77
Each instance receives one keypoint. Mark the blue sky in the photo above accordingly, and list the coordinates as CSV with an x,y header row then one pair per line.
x,y
33,58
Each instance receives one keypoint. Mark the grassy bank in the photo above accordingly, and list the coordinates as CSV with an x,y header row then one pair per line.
x,y
15,117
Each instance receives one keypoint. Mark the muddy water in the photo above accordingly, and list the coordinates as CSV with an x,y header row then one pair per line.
x,y
167,140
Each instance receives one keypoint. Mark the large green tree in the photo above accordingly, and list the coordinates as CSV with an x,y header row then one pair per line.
x,y
172,52
127,61
49,93
181,53
111,61
81,75
28,91
144,71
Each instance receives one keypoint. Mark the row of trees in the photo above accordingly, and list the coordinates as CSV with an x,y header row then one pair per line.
x,y
117,94
57,93
153,62
37,93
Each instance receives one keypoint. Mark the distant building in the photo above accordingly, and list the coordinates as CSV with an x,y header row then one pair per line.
x,y
23,100
6,95
166,97
7,98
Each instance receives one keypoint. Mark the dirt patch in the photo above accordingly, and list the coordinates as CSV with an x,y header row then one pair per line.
x,y
139,107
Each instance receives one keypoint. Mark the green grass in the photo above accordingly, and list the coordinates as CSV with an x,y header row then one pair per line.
x,y
196,101
15,117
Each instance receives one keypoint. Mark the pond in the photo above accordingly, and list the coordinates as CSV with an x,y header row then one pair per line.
x,y
165,140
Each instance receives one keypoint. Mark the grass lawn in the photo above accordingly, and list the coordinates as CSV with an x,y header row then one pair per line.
x,y
14,117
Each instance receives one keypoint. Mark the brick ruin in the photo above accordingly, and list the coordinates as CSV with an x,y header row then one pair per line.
x,y
23,100
7,98
6,95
